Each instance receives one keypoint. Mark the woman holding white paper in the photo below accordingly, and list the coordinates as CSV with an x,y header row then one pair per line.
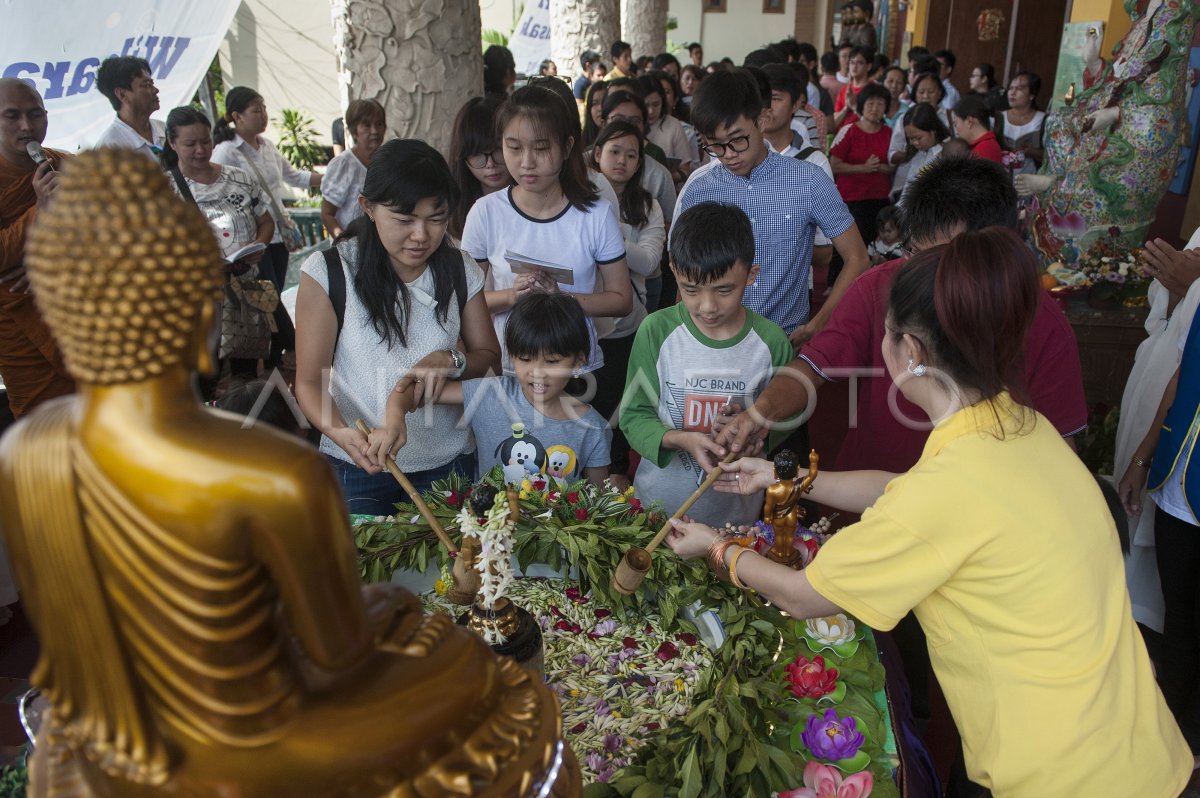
x,y
234,205
550,220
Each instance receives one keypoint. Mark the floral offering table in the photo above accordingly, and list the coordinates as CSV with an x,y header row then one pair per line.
x,y
1103,294
780,706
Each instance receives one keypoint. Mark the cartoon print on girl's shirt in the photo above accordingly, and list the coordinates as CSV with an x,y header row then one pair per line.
x,y
522,456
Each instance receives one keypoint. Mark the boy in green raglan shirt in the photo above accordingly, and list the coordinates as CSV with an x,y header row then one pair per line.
x,y
691,359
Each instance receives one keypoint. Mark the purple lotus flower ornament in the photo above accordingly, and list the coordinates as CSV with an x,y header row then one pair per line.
x,y
831,737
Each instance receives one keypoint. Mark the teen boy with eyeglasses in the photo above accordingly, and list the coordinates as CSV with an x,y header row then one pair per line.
x,y
786,200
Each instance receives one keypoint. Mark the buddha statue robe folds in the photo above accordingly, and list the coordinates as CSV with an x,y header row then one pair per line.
x,y
193,582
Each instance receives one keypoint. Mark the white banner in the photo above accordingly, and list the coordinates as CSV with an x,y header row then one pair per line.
x,y
530,40
57,47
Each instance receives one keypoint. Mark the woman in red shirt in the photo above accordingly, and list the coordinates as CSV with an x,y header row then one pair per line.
x,y
860,165
972,120
847,99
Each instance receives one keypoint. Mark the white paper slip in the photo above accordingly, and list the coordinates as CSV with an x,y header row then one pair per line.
x,y
523,264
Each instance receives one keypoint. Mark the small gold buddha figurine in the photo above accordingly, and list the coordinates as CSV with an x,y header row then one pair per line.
x,y
193,584
466,575
781,504
489,519
466,578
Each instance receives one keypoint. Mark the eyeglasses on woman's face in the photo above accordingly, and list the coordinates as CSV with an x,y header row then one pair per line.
x,y
736,144
480,159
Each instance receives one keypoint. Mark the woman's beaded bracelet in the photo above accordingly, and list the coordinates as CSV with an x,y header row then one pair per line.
x,y
1139,462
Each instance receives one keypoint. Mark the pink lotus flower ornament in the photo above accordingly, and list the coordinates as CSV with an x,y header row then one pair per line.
x,y
823,781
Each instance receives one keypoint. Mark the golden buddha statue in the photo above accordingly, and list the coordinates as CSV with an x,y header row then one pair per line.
x,y
781,503
193,583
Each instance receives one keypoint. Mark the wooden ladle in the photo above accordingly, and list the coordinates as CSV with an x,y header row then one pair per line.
x,y
634,566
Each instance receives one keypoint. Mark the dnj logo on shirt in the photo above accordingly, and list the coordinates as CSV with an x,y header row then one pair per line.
x,y
700,411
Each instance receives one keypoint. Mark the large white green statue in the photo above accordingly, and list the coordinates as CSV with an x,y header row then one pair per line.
x,y
1111,155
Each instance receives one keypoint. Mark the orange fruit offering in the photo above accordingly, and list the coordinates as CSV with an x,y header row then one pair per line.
x,y
1049,281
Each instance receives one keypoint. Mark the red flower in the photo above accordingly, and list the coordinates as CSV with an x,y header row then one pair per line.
x,y
574,595
454,499
688,638
629,642
578,727
573,497
652,726
649,629
553,495
808,550
810,678
539,484
635,504
602,613
581,514
666,652
563,626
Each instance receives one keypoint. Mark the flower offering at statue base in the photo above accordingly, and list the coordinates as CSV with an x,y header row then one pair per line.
x,y
1112,271
760,536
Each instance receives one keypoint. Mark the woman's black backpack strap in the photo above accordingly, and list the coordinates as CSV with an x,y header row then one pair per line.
x,y
336,279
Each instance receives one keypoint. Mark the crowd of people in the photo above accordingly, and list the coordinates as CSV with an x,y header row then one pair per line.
x,y
616,280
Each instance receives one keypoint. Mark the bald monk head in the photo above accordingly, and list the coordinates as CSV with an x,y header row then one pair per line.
x,y
22,120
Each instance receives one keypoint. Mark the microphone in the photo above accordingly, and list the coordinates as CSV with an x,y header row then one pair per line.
x,y
37,153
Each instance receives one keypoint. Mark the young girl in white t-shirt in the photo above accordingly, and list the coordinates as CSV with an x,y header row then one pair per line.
x,y
925,132
551,214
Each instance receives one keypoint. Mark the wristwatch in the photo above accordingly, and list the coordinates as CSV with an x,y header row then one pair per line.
x,y
460,363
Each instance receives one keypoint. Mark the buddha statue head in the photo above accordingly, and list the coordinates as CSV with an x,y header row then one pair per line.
x,y
125,273
786,464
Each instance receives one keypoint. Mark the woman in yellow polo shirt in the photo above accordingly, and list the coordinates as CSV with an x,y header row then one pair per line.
x,y
998,539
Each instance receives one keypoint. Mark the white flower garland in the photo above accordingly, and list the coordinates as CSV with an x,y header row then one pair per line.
x,y
495,556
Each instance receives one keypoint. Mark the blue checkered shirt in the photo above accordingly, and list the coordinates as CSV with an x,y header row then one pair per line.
x,y
786,200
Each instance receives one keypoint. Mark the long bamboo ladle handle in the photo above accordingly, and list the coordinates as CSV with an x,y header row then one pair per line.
x,y
687,505
422,507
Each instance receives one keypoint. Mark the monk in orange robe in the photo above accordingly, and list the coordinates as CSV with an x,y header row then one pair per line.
x,y
30,364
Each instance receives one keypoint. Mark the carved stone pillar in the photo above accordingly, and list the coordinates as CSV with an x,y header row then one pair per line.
x,y
421,59
644,25
578,25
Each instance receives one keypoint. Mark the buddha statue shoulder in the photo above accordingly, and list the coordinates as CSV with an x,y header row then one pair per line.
x,y
192,580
